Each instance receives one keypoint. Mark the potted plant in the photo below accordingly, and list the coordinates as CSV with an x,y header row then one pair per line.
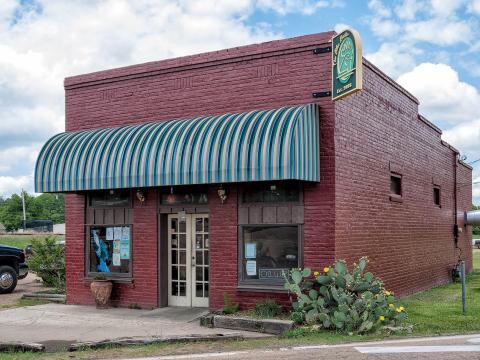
x,y
101,289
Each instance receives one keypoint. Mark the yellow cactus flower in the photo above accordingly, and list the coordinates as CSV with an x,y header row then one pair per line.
x,y
326,269
391,306
402,308
398,310
315,273
387,293
381,318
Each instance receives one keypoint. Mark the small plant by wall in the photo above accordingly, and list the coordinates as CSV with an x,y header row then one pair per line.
x,y
338,299
267,309
228,306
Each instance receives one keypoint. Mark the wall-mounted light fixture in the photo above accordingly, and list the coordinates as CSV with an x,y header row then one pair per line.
x,y
222,194
140,196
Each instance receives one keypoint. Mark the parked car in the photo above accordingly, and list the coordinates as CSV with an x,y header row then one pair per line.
x,y
477,244
12,268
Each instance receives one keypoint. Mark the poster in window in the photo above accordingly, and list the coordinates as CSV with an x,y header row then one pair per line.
x,y
109,235
251,268
250,250
117,233
116,259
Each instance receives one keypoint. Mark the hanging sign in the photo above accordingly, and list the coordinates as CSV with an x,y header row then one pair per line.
x,y
346,64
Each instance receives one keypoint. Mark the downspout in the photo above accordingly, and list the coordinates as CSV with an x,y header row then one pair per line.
x,y
455,211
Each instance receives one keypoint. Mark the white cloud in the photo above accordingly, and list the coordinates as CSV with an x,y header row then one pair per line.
x,y
12,156
441,93
445,8
393,59
15,184
338,28
438,31
379,8
383,28
306,7
408,9
474,6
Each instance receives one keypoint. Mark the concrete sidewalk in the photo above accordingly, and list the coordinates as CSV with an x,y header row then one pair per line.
x,y
73,323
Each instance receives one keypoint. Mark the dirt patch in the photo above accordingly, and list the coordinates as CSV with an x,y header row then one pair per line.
x,y
31,283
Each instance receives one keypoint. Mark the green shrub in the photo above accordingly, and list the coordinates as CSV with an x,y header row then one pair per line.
x,y
48,262
353,302
267,309
228,306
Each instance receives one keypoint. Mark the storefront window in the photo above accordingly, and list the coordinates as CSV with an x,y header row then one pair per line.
x,y
110,249
176,197
110,198
268,252
271,192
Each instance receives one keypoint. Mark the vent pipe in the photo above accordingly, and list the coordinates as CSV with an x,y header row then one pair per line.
x,y
472,217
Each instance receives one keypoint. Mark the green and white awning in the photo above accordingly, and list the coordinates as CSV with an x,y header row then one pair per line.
x,y
276,144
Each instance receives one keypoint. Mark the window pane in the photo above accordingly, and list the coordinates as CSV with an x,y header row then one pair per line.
x,y
182,197
110,198
284,191
110,248
436,195
269,251
396,185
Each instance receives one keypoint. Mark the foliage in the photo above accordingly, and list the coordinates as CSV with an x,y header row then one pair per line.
x,y
42,207
267,309
48,262
228,306
353,302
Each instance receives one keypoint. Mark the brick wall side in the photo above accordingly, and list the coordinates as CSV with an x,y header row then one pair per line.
x,y
410,244
285,77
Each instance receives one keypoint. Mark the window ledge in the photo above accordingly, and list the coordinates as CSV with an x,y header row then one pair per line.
x,y
396,198
261,288
115,280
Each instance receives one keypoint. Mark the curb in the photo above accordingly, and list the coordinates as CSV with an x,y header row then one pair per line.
x,y
266,326
57,298
128,341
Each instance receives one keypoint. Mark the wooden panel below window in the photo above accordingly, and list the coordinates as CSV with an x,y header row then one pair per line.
x,y
280,214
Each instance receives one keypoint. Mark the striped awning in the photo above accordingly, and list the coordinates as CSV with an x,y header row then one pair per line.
x,y
276,144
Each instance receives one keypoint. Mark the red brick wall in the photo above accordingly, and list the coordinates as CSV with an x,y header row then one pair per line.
x,y
144,289
260,76
410,244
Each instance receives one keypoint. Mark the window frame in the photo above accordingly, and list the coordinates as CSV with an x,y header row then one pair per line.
x,y
241,195
110,276
258,284
437,187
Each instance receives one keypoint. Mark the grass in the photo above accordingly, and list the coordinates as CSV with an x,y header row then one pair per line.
x,y
21,241
432,312
23,303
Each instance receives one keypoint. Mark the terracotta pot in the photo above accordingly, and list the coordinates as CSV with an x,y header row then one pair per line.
x,y
101,291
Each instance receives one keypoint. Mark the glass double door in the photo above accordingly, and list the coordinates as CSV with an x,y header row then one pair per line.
x,y
188,260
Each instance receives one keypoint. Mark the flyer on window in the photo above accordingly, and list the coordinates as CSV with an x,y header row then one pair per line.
x,y
117,233
116,259
251,268
125,249
250,250
109,235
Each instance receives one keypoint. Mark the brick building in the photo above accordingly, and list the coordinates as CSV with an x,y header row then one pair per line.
x,y
258,177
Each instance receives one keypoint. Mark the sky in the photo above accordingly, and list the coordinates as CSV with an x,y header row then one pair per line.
x,y
429,46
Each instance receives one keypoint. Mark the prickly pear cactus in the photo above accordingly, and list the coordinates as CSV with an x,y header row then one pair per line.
x,y
352,301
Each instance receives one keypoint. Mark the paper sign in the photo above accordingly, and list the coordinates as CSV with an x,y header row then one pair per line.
x,y
116,259
250,250
116,246
125,249
117,234
109,233
251,268
125,233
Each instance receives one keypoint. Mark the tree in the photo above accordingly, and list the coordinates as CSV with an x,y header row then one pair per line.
x,y
42,207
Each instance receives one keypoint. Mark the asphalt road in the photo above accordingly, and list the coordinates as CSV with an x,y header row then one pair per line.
x,y
438,348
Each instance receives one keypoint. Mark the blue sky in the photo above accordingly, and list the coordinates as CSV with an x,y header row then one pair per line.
x,y
428,46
